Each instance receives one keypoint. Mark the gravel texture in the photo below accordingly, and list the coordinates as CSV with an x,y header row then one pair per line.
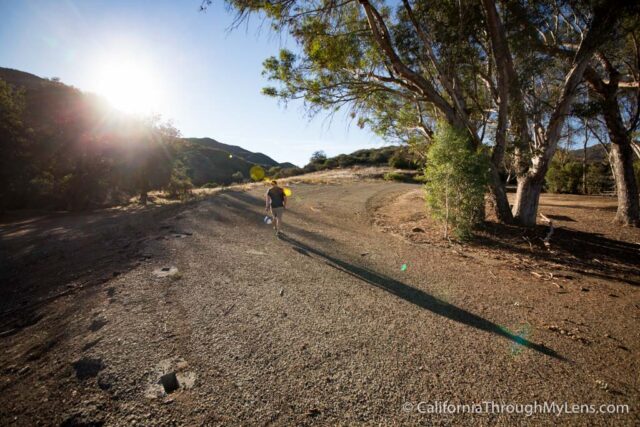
x,y
343,320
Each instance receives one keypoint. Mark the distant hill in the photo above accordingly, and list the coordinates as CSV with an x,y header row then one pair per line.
x,y
595,153
257,158
20,78
287,165
51,104
206,165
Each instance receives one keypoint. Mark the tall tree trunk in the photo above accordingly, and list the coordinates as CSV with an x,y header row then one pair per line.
x,y
527,199
530,182
621,153
584,160
499,198
621,158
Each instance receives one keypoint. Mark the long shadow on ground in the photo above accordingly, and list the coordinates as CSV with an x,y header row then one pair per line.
x,y
418,297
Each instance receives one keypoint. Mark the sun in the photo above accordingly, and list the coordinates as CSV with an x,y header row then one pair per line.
x,y
128,84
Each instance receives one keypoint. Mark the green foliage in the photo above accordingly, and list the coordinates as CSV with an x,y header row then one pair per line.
x,y
564,177
13,144
400,157
599,178
62,149
419,178
456,178
318,157
237,177
179,185
274,171
287,172
398,176
211,185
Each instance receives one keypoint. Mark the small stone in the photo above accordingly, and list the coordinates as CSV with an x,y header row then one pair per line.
x,y
281,291
417,230
583,289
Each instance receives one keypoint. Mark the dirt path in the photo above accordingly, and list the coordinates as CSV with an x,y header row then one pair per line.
x,y
335,323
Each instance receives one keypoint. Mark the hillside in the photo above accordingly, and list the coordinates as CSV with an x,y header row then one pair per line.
x,y
78,151
595,153
206,165
257,158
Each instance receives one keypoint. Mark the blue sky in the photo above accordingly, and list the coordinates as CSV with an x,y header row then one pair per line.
x,y
203,77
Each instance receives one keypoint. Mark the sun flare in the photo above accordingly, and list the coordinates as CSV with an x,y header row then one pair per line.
x,y
129,85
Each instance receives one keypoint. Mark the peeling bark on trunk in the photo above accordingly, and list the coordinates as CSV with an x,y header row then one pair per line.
x,y
621,152
527,199
621,158
499,198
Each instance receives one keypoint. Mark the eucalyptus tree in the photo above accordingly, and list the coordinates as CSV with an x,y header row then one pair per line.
x,y
399,70
492,70
613,79
556,42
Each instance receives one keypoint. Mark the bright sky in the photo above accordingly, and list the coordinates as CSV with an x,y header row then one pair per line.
x,y
182,63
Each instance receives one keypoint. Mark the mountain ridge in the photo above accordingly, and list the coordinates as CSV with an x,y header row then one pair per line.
x,y
206,160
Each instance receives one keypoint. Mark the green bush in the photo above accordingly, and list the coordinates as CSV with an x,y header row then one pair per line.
x,y
330,163
420,178
274,171
237,177
599,178
287,172
457,178
564,177
180,185
397,176
401,159
211,185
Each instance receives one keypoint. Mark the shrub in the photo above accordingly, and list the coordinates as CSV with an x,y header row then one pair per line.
x,y
420,179
564,177
457,177
237,177
274,171
329,164
287,172
318,157
399,176
345,160
211,185
402,160
180,185
599,178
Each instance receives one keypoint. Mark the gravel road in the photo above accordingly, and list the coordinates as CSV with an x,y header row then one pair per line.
x,y
334,323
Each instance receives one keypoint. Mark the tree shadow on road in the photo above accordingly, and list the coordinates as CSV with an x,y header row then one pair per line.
x,y
418,297
588,253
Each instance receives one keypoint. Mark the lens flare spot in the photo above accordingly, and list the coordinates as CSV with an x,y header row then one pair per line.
x,y
231,156
520,339
287,192
256,172
403,267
